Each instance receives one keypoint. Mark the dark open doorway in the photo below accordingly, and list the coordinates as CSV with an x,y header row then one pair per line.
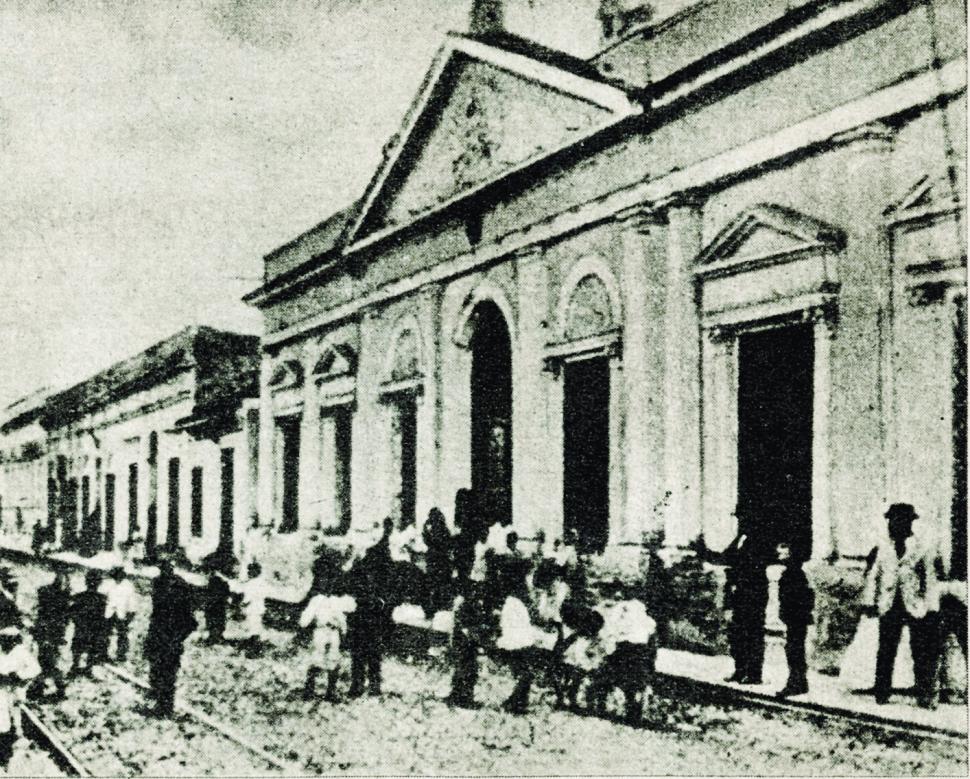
x,y
491,412
775,437
407,421
586,452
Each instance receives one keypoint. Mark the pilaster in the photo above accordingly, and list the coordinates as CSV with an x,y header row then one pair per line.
x,y
643,232
861,378
682,395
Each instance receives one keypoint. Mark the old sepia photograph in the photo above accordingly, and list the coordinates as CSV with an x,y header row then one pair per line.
x,y
483,388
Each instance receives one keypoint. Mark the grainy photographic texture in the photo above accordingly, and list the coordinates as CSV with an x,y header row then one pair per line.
x,y
609,418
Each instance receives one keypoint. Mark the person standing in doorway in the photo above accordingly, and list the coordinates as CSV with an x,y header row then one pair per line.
x,y
902,590
796,603
171,622
746,598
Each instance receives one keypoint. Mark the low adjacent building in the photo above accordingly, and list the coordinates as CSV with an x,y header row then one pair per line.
x,y
23,470
157,450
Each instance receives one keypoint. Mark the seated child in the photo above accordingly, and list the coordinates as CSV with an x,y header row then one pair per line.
x,y
520,638
629,638
327,613
580,653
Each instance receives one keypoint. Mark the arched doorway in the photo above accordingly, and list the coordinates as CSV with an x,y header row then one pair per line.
x,y
491,412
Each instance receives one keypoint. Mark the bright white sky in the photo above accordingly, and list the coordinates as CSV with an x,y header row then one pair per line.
x,y
151,152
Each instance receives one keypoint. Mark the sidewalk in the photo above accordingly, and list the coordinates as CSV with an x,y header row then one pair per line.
x,y
825,693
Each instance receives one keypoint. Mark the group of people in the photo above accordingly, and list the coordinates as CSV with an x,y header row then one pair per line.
x,y
536,612
904,588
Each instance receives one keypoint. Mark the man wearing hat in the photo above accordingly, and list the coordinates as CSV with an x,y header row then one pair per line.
x,y
902,591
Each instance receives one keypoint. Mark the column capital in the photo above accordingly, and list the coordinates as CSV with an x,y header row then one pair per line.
x,y
641,217
874,136
689,200
528,253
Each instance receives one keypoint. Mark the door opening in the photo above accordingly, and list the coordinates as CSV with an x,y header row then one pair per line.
x,y
491,413
586,452
775,437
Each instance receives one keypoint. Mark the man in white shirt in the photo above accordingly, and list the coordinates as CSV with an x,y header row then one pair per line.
x,y
122,602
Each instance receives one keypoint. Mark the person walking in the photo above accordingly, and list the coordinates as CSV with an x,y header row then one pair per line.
x,y
902,591
796,602
171,622
746,598
50,628
122,603
87,610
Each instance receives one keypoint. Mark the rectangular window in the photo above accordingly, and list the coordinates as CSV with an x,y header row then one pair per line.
x,y
196,502
85,497
289,473
227,477
343,427
132,500
109,511
173,502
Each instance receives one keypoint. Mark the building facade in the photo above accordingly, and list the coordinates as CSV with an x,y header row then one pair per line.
x,y
23,470
155,451
711,279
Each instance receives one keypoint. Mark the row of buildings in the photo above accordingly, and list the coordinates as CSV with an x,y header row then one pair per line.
x,y
712,278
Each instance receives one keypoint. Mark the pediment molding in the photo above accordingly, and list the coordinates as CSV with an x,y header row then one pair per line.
x,y
287,375
766,234
928,198
336,360
403,153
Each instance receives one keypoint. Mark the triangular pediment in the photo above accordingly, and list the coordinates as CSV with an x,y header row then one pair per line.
x,y
287,375
338,359
928,195
484,112
765,232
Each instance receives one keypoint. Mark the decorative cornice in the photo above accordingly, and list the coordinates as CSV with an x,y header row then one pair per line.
x,y
641,217
687,199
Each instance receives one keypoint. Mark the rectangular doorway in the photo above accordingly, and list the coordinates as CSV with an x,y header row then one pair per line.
x,y
406,424
288,449
775,408
109,511
227,499
586,452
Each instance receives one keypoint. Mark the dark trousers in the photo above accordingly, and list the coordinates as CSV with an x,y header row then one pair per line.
x,y
795,655
7,741
365,663
465,676
48,656
85,649
215,621
523,664
162,672
746,637
923,642
119,627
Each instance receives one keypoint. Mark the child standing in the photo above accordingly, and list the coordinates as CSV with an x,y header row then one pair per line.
x,y
796,602
254,591
327,613
122,602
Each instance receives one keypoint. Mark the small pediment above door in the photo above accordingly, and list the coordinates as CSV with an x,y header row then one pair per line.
x,y
928,197
766,234
484,111
338,359
286,375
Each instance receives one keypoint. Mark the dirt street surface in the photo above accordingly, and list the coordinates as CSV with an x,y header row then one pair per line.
x,y
410,730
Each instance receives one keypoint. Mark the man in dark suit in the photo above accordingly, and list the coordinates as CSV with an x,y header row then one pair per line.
x,y
369,624
171,622
746,598
88,609
796,602
50,626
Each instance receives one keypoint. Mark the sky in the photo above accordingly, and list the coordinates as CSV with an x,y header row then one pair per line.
x,y
152,151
